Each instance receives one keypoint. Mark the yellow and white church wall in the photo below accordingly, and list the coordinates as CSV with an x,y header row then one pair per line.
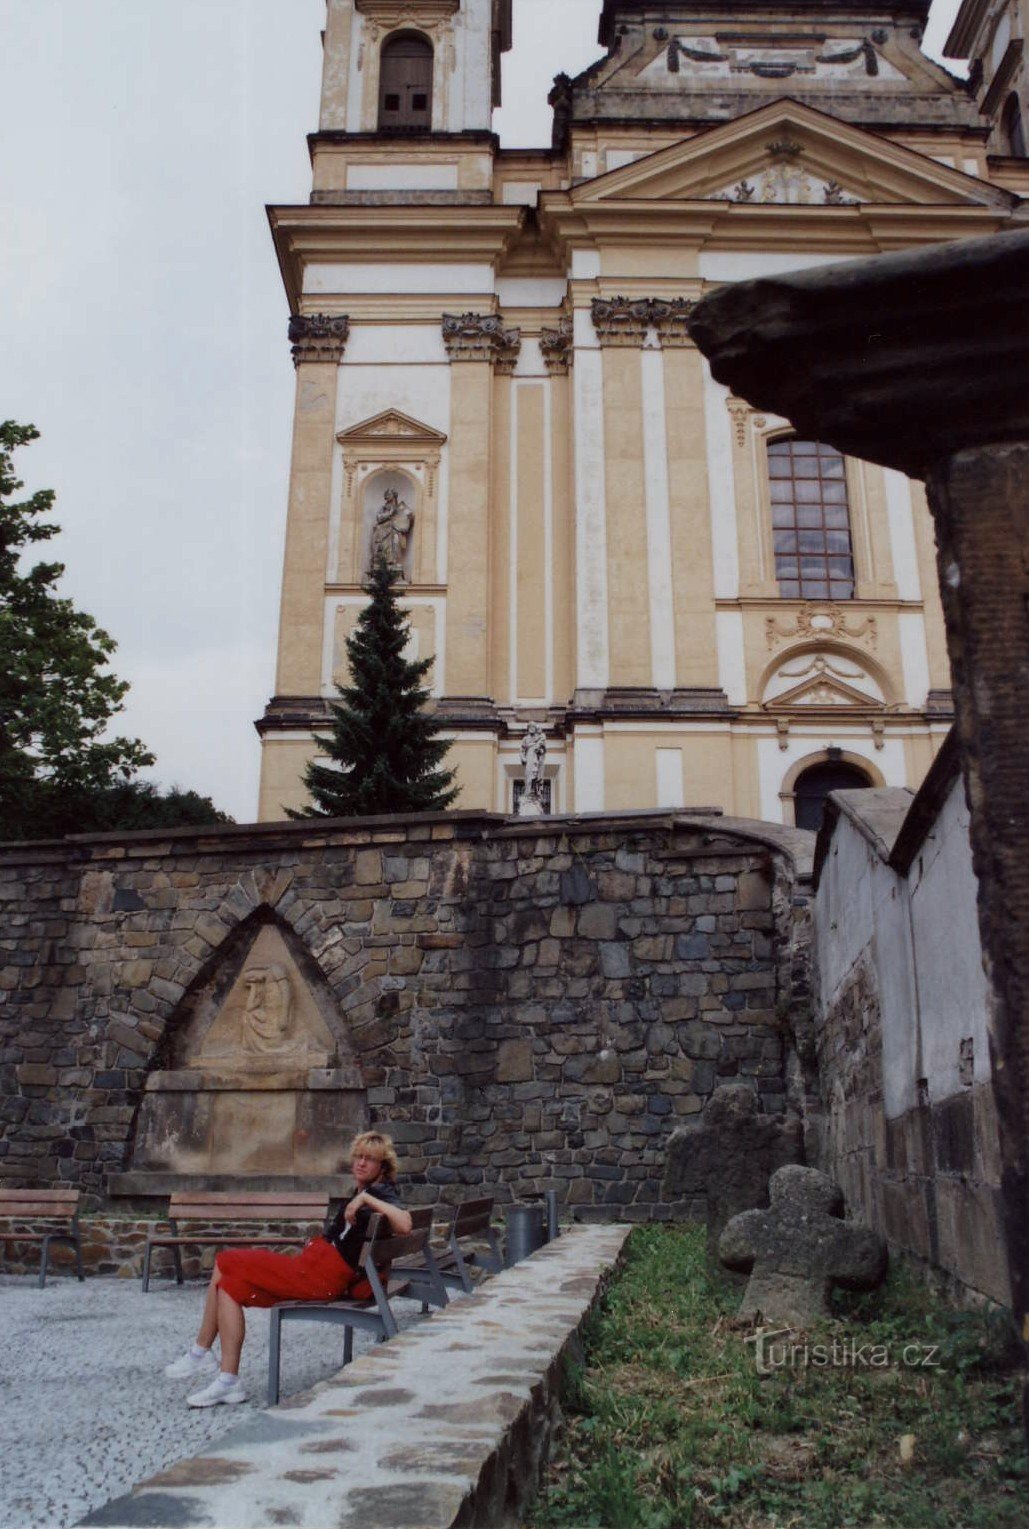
x,y
592,540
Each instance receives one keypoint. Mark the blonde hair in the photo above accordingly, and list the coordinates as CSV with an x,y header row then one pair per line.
x,y
377,1144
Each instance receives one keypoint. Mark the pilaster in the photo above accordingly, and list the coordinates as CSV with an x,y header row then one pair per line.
x,y
475,344
318,343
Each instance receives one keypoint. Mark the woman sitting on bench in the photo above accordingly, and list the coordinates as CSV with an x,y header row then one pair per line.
x,y
327,1269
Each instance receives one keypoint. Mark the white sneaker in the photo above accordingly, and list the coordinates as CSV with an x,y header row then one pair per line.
x,y
190,1367
223,1388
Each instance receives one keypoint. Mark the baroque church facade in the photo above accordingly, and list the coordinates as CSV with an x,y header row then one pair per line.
x,y
496,385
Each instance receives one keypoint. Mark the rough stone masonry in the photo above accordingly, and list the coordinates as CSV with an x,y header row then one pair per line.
x,y
530,1005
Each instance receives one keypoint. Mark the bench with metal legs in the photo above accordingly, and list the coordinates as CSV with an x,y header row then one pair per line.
x,y
375,1315
451,1266
19,1205
222,1219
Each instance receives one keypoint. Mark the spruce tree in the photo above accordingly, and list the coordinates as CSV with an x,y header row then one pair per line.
x,y
385,754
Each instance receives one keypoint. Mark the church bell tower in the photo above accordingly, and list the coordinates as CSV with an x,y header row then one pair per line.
x,y
412,66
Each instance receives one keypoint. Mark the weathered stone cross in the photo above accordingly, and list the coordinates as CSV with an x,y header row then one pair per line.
x,y
799,1248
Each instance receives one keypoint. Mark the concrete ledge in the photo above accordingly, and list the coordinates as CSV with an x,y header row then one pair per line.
x,y
446,1426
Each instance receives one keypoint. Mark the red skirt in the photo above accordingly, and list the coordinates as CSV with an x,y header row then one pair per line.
x,y
253,1277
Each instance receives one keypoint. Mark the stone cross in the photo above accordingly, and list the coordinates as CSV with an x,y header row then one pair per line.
x,y
799,1248
725,1156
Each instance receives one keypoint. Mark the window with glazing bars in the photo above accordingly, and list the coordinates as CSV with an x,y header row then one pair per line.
x,y
810,521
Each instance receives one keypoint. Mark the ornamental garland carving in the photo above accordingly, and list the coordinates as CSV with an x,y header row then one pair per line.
x,y
482,337
815,620
625,321
741,413
557,346
767,59
319,337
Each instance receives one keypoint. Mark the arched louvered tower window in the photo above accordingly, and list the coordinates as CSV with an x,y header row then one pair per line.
x,y
405,83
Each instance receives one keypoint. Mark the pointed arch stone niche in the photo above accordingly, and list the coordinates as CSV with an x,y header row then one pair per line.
x,y
258,1079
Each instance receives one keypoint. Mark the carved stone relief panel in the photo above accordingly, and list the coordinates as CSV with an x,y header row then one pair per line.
x,y
262,1079
268,1022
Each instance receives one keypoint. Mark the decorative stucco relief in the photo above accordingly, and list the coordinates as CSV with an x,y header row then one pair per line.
x,y
821,59
820,621
820,679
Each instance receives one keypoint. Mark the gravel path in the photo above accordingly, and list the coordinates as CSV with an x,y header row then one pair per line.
x,y
85,1412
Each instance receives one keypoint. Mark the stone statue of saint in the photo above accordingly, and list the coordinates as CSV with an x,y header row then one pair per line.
x,y
534,753
265,1027
391,530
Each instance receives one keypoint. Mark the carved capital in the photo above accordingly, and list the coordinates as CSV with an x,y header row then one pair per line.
x,y
558,347
319,337
671,320
621,321
482,337
625,321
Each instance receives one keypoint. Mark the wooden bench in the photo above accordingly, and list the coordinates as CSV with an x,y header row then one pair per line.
x,y
381,1249
221,1219
58,1205
472,1220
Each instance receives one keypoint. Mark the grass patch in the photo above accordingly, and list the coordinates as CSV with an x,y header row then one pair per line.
x,y
670,1424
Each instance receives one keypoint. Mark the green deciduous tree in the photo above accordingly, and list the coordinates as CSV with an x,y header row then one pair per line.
x,y
384,746
59,773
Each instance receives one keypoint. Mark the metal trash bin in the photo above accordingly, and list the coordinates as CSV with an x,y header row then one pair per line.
x,y
553,1224
524,1225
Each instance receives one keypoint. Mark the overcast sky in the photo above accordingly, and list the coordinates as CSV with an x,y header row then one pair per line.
x,y
143,324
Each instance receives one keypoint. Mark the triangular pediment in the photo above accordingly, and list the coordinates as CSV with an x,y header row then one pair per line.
x,y
789,152
823,690
391,426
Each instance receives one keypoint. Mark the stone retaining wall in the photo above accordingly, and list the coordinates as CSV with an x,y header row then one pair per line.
x,y
532,1005
447,1425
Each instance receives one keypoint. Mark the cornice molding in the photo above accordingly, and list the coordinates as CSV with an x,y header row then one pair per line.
x,y
306,235
482,337
319,337
699,225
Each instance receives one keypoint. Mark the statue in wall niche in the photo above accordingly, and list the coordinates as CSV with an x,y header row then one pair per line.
x,y
391,531
534,753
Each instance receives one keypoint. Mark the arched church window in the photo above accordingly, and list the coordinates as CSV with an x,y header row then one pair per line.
x,y
810,521
1013,127
405,83
815,783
